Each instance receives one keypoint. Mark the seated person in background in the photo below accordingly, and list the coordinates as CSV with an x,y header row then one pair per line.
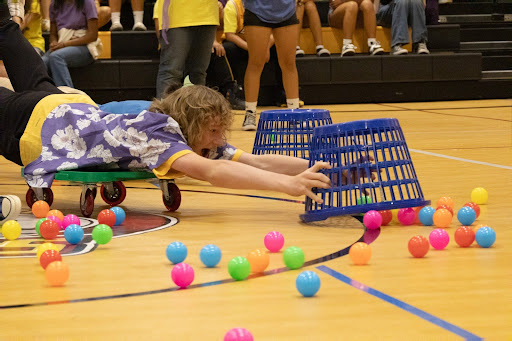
x,y
399,15
31,26
103,14
182,134
343,15
73,38
138,15
308,7
432,12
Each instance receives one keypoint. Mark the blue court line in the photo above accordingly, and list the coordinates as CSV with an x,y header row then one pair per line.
x,y
400,304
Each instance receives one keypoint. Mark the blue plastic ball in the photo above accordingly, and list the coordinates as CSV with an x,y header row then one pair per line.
x,y
176,252
308,283
426,215
120,215
466,215
74,234
485,236
210,255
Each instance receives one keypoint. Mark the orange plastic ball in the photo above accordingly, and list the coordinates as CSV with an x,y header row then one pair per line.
x,y
417,212
442,218
40,209
49,256
474,206
446,201
107,217
386,217
477,227
360,253
464,236
49,229
56,213
446,207
57,273
259,260
418,246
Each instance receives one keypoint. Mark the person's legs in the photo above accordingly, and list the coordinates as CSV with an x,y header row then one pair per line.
x,y
286,57
345,17
300,16
115,8
417,21
399,24
61,60
370,26
237,58
199,57
257,41
173,57
103,13
432,12
315,26
138,15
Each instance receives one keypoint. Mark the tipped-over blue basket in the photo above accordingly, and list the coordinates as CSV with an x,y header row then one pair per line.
x,y
288,131
356,150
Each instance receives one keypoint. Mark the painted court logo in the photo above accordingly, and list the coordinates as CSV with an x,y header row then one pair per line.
x,y
26,245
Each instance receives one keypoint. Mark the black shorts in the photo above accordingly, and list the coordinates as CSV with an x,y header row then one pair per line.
x,y
251,19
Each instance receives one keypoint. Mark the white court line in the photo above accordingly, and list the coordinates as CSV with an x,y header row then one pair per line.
x,y
461,159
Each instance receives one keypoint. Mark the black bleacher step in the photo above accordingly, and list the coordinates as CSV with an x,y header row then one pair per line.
x,y
134,44
497,74
490,63
485,33
462,8
102,74
444,37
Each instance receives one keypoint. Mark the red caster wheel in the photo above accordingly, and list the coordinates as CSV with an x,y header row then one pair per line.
x,y
87,202
31,197
173,202
114,195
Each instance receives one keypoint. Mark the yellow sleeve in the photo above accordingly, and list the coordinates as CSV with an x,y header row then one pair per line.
x,y
230,18
165,171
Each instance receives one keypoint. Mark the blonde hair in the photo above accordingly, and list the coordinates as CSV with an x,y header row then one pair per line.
x,y
194,107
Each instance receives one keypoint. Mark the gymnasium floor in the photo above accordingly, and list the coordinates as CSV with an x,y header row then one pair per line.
x,y
123,290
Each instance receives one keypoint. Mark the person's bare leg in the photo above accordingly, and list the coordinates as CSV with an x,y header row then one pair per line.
x,y
345,17
370,19
45,14
286,55
3,72
115,12
300,16
103,14
314,22
138,15
257,41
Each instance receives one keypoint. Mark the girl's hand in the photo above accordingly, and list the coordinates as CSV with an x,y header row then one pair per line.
x,y
303,183
218,49
56,46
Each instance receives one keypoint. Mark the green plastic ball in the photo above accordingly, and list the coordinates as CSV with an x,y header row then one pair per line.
x,y
239,268
102,234
293,257
38,224
364,200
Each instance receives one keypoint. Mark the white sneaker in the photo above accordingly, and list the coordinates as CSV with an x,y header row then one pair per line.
x,y
375,49
422,48
299,52
348,50
398,50
138,26
249,121
323,52
116,26
10,207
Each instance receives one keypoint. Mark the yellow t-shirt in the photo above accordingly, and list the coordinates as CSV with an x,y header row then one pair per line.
x,y
30,142
184,13
233,21
33,31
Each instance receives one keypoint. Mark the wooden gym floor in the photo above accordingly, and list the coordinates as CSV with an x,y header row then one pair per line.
x,y
123,290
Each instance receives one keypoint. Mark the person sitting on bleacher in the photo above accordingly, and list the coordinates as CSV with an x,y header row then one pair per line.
x,y
138,15
399,15
308,7
343,15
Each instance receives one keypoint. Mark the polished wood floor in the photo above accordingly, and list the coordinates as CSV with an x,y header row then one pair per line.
x,y
123,290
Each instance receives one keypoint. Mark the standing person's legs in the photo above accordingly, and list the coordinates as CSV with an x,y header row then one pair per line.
x,y
173,57
61,60
199,57
286,57
257,42
417,21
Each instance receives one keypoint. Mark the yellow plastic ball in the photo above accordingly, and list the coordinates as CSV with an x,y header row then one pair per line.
x,y
479,196
46,246
11,229
394,218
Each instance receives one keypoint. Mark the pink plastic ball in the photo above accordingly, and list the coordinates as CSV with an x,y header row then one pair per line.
x,y
439,238
57,220
372,220
274,241
406,216
182,275
238,334
70,219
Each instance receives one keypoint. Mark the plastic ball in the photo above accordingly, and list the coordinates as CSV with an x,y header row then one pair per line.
x,y
445,201
238,334
74,234
57,273
182,275
55,213
418,246
308,283
478,227
46,246
442,218
479,196
210,255
439,239
102,234
426,215
239,268
474,206
49,229
448,208
485,236
274,241
70,219
364,200
372,220
417,215
386,217
176,252
360,253
394,216
38,225
259,260
49,256
40,209
464,236
120,215
293,257
11,229
406,216
466,215
106,217
56,219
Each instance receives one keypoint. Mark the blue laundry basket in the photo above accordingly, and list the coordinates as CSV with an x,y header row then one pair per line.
x,y
288,131
356,150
